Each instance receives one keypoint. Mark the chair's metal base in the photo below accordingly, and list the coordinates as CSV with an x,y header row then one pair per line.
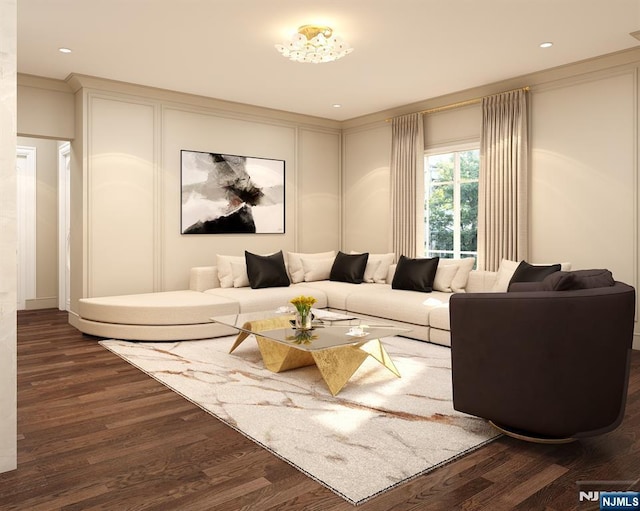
x,y
528,436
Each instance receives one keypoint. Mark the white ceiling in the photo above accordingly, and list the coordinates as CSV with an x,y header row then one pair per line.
x,y
405,50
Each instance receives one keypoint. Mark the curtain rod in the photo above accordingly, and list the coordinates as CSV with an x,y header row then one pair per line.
x,y
462,103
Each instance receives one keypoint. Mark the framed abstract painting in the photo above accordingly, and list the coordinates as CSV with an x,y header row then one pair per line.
x,y
230,194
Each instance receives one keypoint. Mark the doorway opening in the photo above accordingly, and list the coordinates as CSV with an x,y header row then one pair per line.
x,y
43,205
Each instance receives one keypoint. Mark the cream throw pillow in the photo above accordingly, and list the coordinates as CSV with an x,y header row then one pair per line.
x,y
371,270
505,272
239,273
464,266
377,272
444,277
225,272
294,260
316,269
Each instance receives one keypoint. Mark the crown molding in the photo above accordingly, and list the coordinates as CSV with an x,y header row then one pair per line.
x,y
79,81
623,58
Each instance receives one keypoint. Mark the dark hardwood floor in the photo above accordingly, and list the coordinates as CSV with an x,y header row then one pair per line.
x,y
97,433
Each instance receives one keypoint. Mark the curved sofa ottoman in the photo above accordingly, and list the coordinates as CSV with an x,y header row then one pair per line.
x,y
164,316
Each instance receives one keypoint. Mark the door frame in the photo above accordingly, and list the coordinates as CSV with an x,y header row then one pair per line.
x,y
64,227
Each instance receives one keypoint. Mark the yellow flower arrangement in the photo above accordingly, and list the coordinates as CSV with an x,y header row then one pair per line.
x,y
303,306
303,303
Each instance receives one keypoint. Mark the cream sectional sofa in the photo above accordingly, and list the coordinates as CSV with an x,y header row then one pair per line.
x,y
425,314
181,315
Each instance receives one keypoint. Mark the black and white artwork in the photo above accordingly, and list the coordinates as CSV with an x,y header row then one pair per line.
x,y
227,194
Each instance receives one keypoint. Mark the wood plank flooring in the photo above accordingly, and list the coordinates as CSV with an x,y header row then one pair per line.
x,y
95,433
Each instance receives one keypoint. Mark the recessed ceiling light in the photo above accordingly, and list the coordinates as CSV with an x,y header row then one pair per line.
x,y
64,50
548,44
336,105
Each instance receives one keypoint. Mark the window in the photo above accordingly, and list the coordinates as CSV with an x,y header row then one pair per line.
x,y
451,203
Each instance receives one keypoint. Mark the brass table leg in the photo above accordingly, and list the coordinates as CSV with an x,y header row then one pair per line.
x,y
259,326
278,357
337,365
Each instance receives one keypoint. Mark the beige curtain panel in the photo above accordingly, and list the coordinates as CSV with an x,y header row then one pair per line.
x,y
407,156
502,190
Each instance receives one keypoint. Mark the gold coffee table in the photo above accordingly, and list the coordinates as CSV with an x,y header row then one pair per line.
x,y
329,345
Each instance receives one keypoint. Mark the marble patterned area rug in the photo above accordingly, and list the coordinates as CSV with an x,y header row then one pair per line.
x,y
378,432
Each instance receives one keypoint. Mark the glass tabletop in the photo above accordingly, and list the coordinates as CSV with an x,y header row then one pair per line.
x,y
328,329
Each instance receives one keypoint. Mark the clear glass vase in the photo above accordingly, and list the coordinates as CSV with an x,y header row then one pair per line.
x,y
303,320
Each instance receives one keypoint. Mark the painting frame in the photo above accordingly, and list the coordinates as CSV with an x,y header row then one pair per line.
x,y
224,193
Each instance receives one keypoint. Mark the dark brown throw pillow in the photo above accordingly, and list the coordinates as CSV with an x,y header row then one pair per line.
x,y
266,271
559,281
415,274
526,272
349,268
579,279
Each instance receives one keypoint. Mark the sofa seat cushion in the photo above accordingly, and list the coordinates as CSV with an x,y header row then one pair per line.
x,y
337,292
165,308
439,317
397,304
256,300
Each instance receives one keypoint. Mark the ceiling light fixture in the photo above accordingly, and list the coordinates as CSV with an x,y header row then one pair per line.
x,y
547,44
64,50
314,44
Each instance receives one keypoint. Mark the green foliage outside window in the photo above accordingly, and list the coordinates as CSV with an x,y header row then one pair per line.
x,y
445,185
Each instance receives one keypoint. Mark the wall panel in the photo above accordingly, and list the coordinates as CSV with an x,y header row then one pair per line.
x,y
202,131
318,189
366,190
583,175
120,197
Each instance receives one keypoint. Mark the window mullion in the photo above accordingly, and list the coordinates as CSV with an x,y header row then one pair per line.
x,y
427,195
456,206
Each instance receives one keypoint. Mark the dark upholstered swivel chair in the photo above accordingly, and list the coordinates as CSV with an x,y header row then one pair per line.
x,y
546,365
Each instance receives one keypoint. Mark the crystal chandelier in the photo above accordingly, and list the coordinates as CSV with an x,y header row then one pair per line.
x,y
314,44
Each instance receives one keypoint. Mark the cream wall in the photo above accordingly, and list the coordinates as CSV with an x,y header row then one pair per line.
x,y
46,108
451,127
583,169
8,243
318,228
202,132
583,164
584,173
46,222
126,184
125,163
366,189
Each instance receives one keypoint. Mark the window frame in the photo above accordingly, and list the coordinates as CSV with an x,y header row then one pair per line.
x,y
456,253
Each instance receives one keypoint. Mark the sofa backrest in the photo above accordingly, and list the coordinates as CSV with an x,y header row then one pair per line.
x,y
202,278
481,281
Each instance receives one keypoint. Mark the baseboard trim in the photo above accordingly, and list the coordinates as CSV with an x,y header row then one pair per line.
x,y
41,303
